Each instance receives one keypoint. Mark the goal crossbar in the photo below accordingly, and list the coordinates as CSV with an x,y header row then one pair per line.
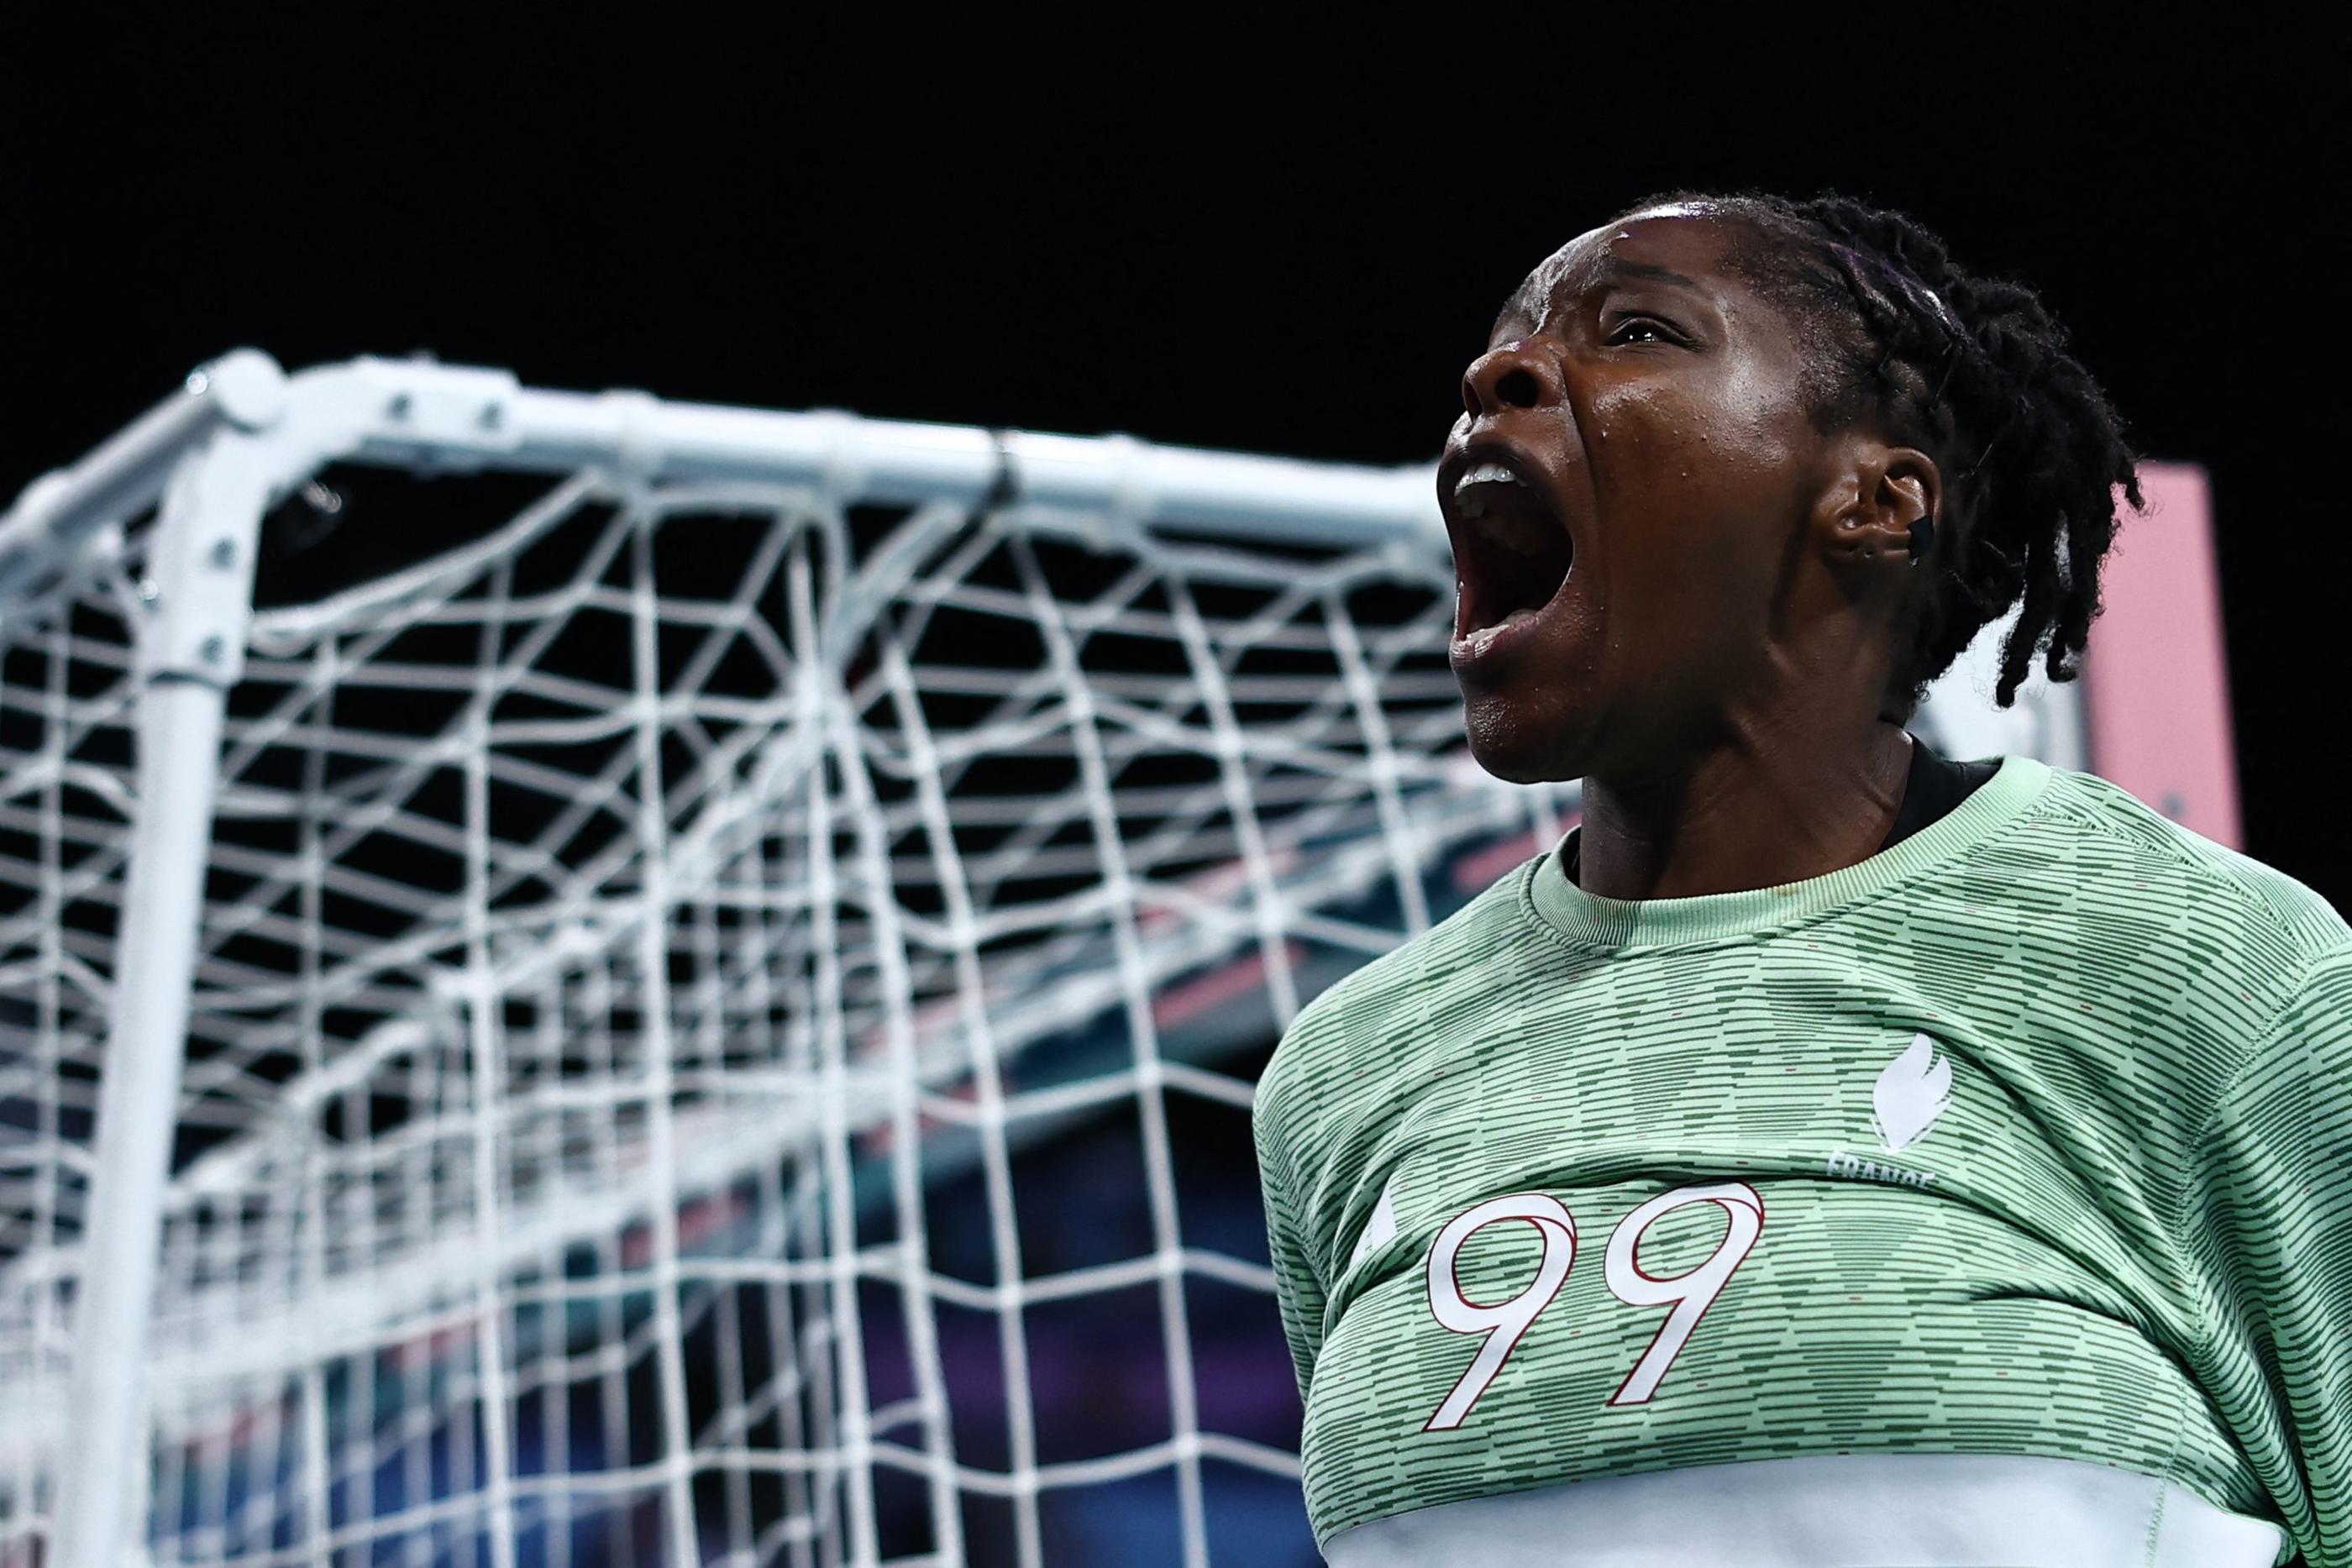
x,y
423,415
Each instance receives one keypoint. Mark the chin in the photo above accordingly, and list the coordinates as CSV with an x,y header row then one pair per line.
x,y
1521,742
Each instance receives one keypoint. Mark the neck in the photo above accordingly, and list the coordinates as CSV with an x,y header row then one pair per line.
x,y
1761,810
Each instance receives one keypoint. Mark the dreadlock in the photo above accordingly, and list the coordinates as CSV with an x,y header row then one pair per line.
x,y
1975,371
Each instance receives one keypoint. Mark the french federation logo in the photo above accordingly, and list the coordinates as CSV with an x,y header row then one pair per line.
x,y
1915,1089
1911,1091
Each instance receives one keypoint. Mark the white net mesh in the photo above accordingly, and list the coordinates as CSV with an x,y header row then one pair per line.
x,y
642,954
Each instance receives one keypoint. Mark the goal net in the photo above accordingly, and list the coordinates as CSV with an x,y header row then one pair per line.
x,y
724,1002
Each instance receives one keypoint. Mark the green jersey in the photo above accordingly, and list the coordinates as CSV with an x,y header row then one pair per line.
x,y
2028,1135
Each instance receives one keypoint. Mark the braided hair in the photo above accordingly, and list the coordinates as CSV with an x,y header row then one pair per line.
x,y
1976,373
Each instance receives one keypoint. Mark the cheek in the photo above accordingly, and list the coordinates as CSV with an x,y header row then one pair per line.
x,y
1694,452
1696,485
1732,431
1758,415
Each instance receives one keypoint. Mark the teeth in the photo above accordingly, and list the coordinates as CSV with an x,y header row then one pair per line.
x,y
1486,473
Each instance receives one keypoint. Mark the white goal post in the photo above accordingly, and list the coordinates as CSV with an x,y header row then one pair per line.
x,y
481,1048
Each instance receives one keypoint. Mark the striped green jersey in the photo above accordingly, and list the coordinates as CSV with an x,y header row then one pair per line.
x,y
2031,1135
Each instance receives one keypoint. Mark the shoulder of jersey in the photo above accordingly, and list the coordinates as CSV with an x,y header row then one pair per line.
x,y
2229,876
1378,989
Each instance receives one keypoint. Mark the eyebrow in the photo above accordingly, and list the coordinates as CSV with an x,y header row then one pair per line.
x,y
1619,269
1614,267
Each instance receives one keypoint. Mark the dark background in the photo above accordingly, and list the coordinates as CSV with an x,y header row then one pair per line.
x,y
1296,257
1291,258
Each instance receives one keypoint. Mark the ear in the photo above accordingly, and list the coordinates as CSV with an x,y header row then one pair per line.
x,y
1865,516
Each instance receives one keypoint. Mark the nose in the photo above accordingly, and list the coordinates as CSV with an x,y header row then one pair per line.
x,y
1513,376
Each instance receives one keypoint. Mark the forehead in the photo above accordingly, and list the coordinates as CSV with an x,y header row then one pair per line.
x,y
1690,239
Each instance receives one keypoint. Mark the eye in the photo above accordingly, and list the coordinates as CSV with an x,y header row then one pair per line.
x,y
1661,331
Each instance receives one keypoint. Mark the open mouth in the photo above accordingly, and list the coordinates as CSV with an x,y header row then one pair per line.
x,y
1511,551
